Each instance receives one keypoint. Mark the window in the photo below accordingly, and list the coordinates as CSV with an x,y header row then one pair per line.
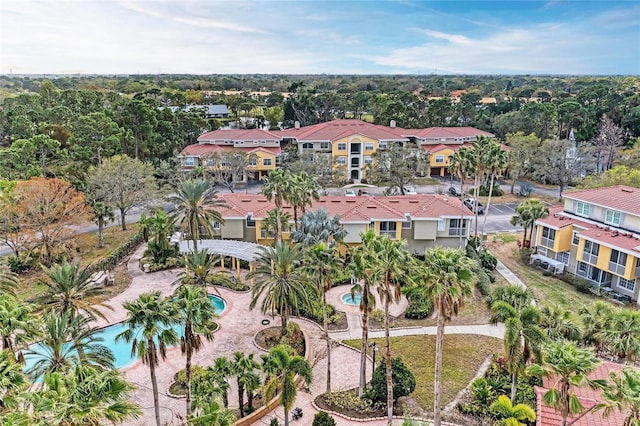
x,y
253,161
575,238
388,228
368,160
263,142
563,257
627,284
239,142
548,236
617,262
382,145
342,147
209,162
457,227
324,145
439,158
582,269
256,142
189,161
582,209
406,223
612,218
441,224
266,161
368,146
542,250
590,253
216,224
307,145
341,159
250,222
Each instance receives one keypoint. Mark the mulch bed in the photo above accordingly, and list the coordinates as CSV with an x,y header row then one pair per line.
x,y
381,412
341,324
269,337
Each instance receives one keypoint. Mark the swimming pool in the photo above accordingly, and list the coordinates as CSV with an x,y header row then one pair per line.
x,y
121,350
346,298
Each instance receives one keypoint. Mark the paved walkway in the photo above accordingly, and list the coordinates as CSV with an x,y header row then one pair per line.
x,y
237,328
509,276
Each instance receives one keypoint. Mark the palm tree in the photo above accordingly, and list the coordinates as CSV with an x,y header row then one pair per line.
x,y
243,367
478,163
197,315
270,225
514,295
86,396
321,263
526,215
8,283
622,394
595,318
283,367
18,325
496,160
277,187
559,324
222,371
12,380
303,189
157,230
569,367
71,289
213,414
523,337
461,164
67,341
149,321
361,266
622,337
318,227
447,279
196,208
511,415
390,264
102,213
282,280
198,266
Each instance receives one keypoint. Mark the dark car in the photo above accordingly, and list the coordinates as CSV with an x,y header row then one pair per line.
x,y
455,192
471,206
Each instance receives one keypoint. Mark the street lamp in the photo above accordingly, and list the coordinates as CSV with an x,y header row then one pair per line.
x,y
374,349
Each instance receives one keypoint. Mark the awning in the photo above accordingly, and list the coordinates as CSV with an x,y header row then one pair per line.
x,y
238,249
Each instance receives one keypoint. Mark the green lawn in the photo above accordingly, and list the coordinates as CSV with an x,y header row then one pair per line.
x,y
462,357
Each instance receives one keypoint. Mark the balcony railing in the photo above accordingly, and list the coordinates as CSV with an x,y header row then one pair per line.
x,y
590,258
616,268
546,242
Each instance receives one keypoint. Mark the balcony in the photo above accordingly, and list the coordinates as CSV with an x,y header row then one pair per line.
x,y
616,268
355,149
547,242
355,162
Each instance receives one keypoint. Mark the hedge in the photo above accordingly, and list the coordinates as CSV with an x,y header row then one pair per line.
x,y
112,259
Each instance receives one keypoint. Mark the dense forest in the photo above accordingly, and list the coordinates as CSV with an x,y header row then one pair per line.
x,y
61,125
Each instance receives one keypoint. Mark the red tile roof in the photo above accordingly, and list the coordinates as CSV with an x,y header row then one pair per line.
x,y
588,397
238,134
198,150
621,240
619,197
355,209
338,129
441,146
558,219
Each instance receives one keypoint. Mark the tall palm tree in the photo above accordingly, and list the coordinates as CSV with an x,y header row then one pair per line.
x,y
8,283
511,415
243,368
595,318
270,225
303,189
496,160
149,321
318,227
196,207
67,341
85,396
461,164
569,367
622,394
622,337
447,279
196,316
277,187
523,337
322,263
478,162
390,266
283,367
526,215
282,281
70,288
18,325
361,267
222,371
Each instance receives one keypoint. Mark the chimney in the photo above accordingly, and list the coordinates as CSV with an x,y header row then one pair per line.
x,y
296,124
392,124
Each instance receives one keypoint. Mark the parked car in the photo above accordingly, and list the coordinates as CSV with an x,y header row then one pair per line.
x,y
349,193
479,209
409,190
363,192
455,191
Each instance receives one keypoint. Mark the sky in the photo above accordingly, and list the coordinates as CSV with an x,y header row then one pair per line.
x,y
315,37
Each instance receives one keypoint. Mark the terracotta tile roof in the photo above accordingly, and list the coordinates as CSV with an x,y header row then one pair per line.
x,y
354,209
198,150
238,134
619,197
558,219
622,240
338,129
588,397
441,146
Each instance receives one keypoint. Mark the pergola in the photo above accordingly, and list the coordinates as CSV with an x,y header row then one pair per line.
x,y
234,249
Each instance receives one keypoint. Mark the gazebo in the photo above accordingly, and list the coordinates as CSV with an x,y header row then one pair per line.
x,y
236,250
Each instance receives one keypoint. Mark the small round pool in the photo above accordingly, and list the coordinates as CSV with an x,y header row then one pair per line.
x,y
346,298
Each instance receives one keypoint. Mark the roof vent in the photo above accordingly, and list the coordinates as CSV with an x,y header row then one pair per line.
x,y
244,200
351,201
335,201
393,201
629,190
414,201
262,201
371,207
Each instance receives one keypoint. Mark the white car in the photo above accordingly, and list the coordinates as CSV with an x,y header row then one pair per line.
x,y
349,193
409,190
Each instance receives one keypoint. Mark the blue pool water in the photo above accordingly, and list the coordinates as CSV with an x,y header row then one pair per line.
x,y
122,350
346,298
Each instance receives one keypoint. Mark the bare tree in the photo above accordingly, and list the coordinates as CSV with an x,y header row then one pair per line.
x,y
605,143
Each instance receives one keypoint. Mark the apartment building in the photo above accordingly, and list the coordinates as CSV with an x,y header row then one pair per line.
x,y
422,220
596,236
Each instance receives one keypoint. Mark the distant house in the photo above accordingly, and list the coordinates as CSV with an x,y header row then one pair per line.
x,y
210,111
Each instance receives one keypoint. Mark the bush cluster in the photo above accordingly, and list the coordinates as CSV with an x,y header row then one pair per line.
x,y
170,263
294,338
348,400
314,312
484,276
420,307
323,419
227,281
111,260
403,380
483,191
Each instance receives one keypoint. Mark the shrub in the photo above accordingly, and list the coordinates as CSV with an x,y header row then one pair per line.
x,y
404,382
377,315
323,419
21,263
112,259
274,422
582,285
487,260
420,307
227,281
348,400
170,263
197,373
294,338
314,312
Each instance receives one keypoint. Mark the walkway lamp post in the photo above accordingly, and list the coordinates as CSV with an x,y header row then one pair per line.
x,y
374,349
